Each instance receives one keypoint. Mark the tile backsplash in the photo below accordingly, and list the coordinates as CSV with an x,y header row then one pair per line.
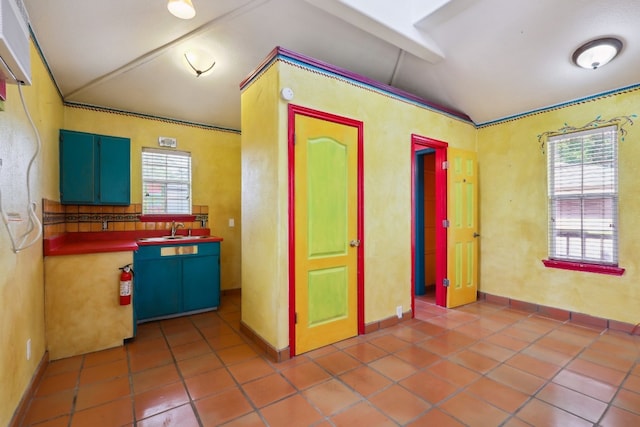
x,y
59,218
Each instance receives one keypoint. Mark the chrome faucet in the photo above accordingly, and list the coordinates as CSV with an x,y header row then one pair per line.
x,y
174,227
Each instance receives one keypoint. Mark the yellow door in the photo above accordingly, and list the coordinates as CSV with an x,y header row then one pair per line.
x,y
326,232
462,235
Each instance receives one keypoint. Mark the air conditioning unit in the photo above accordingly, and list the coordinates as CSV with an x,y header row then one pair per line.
x,y
14,42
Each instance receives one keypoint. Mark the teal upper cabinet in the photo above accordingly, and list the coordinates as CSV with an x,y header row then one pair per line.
x,y
94,169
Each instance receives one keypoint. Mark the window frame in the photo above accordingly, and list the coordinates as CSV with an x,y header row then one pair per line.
x,y
606,196
188,208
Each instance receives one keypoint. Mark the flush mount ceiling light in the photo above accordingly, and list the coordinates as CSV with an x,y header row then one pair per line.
x,y
182,9
596,53
199,61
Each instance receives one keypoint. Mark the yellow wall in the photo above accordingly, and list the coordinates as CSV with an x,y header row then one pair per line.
x,y
21,277
215,157
513,215
388,125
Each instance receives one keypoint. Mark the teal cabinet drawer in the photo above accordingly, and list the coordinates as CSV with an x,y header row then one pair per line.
x,y
188,250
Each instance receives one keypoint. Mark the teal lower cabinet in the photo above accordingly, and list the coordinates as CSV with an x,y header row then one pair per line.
x,y
172,280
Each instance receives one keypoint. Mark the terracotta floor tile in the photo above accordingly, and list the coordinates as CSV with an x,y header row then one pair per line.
x,y
610,360
616,417
281,414
520,333
502,339
116,413
252,419
628,400
215,330
517,379
62,421
539,325
473,411
429,387
393,367
417,357
198,365
47,407
57,383
623,350
598,372
429,329
236,354
338,362
305,375
148,330
399,404
548,355
160,399
435,417
571,401
189,350
222,407
493,351
389,343
182,416
104,372
250,370
365,380
632,383
561,346
331,396
453,373
474,361
322,351
220,342
538,413
365,352
533,366
154,378
191,335
362,414
504,397
579,340
148,345
583,384
408,334
515,422
105,356
141,361
267,390
475,330
103,392
210,382
60,366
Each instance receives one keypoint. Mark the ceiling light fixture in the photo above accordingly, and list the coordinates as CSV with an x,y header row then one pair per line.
x,y
199,62
182,9
596,53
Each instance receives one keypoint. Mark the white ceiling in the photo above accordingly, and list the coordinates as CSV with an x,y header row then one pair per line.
x,y
489,59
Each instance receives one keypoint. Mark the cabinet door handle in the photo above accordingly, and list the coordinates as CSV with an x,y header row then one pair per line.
x,y
354,243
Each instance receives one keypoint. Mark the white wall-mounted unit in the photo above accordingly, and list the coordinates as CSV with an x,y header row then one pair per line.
x,y
14,42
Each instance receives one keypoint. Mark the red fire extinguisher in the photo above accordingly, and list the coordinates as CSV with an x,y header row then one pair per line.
x,y
125,284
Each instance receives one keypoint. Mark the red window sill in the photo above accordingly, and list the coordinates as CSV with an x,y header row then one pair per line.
x,y
581,266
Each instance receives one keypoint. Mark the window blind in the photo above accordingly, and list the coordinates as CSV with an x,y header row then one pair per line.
x,y
166,182
583,196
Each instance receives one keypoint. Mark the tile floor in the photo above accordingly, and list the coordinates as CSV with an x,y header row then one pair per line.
x,y
479,365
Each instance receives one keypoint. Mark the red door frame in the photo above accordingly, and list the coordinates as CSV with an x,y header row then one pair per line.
x,y
292,112
419,143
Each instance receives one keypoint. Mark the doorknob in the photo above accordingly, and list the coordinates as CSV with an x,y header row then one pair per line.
x,y
354,243
476,234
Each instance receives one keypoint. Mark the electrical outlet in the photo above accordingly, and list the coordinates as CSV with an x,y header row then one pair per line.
x,y
232,222
399,311
29,349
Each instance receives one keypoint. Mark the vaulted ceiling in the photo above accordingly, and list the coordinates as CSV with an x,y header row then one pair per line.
x,y
489,59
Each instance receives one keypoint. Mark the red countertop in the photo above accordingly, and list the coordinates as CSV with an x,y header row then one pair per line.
x,y
115,241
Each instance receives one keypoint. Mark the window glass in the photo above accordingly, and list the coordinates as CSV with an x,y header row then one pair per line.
x,y
166,182
583,196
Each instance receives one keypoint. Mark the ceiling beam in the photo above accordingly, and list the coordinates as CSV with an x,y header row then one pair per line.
x,y
394,24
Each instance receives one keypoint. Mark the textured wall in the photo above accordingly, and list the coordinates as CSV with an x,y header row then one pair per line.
x,y
21,275
513,215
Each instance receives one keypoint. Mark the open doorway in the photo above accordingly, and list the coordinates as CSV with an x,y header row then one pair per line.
x,y
429,235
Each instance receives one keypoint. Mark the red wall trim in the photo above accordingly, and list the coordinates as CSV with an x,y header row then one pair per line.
x,y
580,266
359,125
420,143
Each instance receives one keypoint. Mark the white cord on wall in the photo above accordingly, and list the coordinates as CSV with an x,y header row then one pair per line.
x,y
26,239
